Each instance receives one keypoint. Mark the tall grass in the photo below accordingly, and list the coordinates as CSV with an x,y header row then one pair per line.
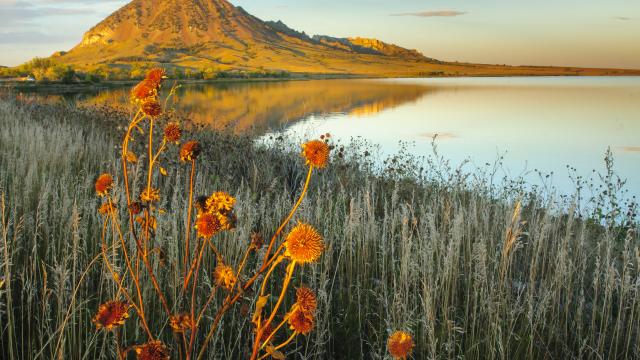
x,y
473,270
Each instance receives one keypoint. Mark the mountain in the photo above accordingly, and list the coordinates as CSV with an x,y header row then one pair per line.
x,y
214,34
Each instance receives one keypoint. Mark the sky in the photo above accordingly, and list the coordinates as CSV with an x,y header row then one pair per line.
x,y
587,33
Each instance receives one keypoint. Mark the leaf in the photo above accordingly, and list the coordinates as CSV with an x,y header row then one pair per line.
x,y
262,301
163,171
152,222
131,157
271,350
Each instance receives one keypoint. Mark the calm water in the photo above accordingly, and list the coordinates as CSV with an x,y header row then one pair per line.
x,y
536,123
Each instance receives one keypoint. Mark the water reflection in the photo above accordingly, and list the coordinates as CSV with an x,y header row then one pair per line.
x,y
262,106
537,123
540,123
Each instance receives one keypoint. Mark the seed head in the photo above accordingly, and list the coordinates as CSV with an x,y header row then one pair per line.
x,y
150,195
111,314
220,202
181,323
306,300
143,91
304,244
155,76
190,151
104,184
106,209
400,345
136,207
316,153
301,322
207,225
224,276
152,108
153,350
172,132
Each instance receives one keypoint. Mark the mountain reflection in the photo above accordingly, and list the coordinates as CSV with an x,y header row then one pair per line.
x,y
258,107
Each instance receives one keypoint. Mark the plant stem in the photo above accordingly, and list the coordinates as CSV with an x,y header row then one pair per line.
x,y
288,218
188,223
260,331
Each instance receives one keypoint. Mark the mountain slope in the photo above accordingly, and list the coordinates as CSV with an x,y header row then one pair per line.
x,y
214,34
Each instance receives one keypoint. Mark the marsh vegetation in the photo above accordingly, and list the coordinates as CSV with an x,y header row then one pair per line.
x,y
472,269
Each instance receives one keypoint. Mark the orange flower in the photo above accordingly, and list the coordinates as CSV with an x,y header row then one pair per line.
x,y
181,323
150,195
220,202
104,184
106,209
155,76
152,108
201,204
190,151
400,345
208,225
304,244
111,314
227,221
306,300
316,153
153,350
301,322
144,90
172,132
224,276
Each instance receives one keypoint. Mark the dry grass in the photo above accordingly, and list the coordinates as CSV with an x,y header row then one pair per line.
x,y
428,257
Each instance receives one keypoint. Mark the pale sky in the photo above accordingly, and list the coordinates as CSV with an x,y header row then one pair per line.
x,y
595,33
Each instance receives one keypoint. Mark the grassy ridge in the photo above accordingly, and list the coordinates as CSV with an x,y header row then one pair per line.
x,y
435,258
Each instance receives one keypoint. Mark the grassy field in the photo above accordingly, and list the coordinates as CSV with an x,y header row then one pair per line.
x,y
442,254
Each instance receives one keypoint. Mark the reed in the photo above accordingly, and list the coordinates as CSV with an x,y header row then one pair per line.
x,y
467,267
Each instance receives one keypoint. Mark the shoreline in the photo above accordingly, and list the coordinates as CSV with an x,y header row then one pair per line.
x,y
109,84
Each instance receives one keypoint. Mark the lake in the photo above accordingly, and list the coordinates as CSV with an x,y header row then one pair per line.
x,y
541,123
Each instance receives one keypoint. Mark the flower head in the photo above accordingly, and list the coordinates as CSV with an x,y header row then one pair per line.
x,y
224,276
316,153
106,209
111,314
143,91
172,132
227,221
201,204
181,323
208,225
400,345
155,76
304,244
301,322
152,108
136,207
104,184
153,350
220,202
190,151
150,195
306,300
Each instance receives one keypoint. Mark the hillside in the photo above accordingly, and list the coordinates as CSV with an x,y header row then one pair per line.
x,y
214,34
